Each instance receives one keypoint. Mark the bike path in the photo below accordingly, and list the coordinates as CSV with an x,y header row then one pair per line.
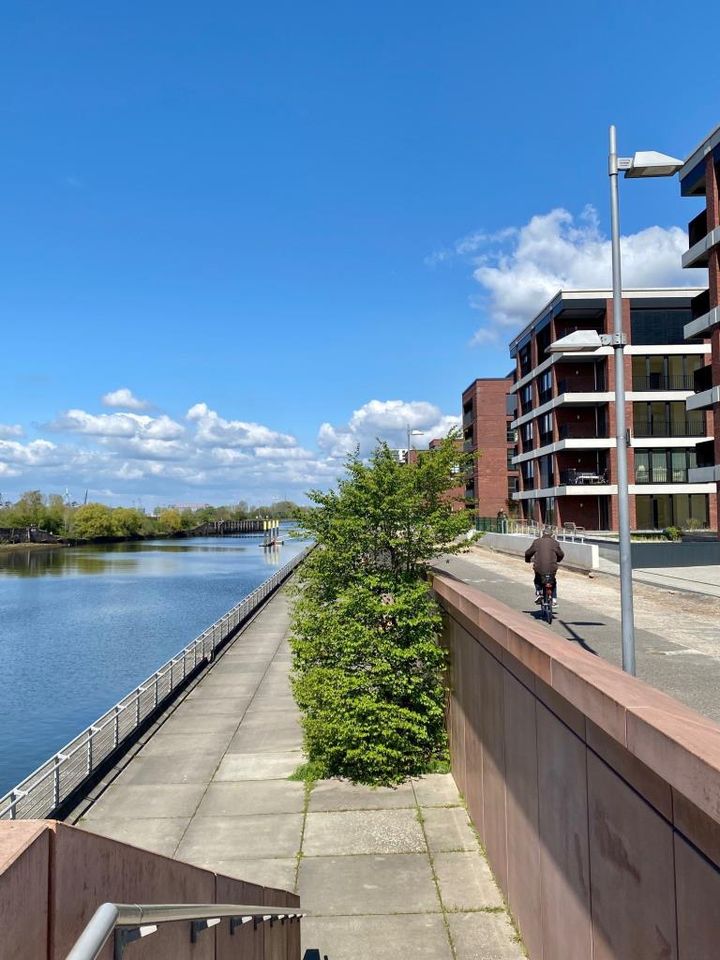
x,y
676,668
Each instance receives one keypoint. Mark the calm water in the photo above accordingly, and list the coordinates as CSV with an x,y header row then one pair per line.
x,y
80,627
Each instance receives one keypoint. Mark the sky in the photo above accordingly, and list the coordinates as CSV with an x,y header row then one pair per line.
x,y
238,240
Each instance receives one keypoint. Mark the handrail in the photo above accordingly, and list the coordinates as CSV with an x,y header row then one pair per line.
x,y
131,921
47,787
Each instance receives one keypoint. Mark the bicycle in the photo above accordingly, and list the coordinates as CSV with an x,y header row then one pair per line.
x,y
547,587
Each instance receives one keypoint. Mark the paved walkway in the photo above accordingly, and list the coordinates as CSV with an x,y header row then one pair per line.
x,y
677,634
383,872
705,580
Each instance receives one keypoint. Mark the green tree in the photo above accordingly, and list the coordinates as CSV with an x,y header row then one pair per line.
x,y
129,522
170,520
368,670
94,520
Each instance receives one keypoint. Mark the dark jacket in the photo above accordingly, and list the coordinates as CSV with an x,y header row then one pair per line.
x,y
545,554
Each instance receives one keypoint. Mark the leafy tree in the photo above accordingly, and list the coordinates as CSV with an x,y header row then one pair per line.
x,y
170,520
94,520
129,522
368,670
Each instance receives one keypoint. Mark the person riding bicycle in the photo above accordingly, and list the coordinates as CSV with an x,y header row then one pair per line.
x,y
545,554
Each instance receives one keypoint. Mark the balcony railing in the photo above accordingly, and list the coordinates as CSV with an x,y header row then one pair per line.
x,y
580,385
528,483
546,438
579,431
702,379
697,228
582,477
659,381
665,428
545,396
467,418
705,453
661,475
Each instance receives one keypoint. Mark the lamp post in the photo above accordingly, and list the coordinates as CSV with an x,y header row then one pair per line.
x,y
412,433
641,164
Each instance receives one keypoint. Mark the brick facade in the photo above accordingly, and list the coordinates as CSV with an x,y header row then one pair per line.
x,y
485,428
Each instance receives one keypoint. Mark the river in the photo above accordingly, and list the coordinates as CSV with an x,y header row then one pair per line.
x,y
80,627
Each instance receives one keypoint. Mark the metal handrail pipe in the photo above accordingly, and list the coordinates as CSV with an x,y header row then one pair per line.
x,y
109,916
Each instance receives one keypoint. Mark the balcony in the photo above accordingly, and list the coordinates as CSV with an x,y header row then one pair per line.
x,y
545,396
580,384
702,379
659,381
468,446
661,475
579,431
581,478
467,418
546,438
697,228
705,453
528,483
703,317
691,427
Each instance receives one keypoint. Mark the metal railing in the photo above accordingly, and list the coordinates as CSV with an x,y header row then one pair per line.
x,y
134,921
44,790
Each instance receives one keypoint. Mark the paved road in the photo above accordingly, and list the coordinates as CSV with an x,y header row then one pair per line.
x,y
383,873
681,657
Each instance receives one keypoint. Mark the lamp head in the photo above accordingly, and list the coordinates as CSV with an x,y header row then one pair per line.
x,y
650,163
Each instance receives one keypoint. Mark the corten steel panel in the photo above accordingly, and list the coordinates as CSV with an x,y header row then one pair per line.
x,y
647,783
632,872
456,731
116,872
493,768
24,865
697,827
564,856
698,895
682,747
521,800
473,762
247,940
277,939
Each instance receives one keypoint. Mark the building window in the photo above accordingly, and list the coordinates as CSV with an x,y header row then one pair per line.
x,y
671,510
658,326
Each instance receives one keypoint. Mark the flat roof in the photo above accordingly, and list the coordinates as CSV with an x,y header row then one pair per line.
x,y
711,141
629,293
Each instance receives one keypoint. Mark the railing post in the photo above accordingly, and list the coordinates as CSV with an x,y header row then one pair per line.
x,y
155,692
116,728
137,707
90,751
56,782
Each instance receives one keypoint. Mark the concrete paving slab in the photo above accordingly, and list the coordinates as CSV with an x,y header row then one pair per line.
x,y
180,723
437,790
142,802
258,766
362,831
278,872
188,769
212,706
466,881
343,795
254,737
226,689
252,797
484,936
164,744
367,884
448,828
420,936
217,838
158,835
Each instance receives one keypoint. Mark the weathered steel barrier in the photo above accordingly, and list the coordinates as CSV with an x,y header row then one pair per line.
x,y
46,789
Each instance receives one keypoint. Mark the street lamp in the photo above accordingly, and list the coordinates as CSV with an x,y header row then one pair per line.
x,y
413,433
646,163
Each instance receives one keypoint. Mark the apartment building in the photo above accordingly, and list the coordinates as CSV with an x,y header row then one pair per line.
x,y
567,458
700,177
488,408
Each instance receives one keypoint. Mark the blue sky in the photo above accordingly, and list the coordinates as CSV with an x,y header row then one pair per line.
x,y
280,227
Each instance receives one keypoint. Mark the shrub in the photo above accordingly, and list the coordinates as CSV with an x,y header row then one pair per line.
x,y
672,533
368,670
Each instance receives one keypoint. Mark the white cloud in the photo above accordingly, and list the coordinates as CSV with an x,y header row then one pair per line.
x,y
10,430
118,425
385,420
520,268
125,398
37,453
211,429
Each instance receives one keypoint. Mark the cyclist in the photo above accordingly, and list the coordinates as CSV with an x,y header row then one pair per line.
x,y
545,554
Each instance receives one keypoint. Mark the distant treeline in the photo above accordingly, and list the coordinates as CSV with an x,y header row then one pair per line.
x,y
91,521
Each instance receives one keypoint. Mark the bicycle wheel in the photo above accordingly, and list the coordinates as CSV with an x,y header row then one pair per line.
x,y
548,611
